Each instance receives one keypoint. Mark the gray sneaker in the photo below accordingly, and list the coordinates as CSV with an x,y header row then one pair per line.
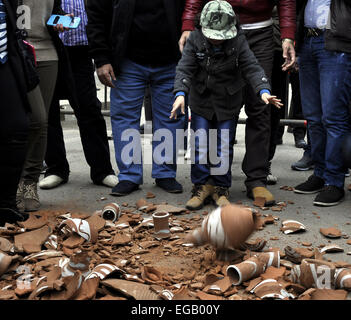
x,y
31,197
304,164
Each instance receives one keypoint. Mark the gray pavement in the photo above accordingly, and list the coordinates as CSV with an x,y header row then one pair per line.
x,y
80,194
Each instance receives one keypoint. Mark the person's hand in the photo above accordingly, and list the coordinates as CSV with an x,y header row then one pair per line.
x,y
106,75
268,99
183,39
178,103
288,54
60,27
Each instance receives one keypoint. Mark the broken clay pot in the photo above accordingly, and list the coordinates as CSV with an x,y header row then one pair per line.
x,y
161,225
313,273
343,278
111,212
271,289
5,262
226,227
246,270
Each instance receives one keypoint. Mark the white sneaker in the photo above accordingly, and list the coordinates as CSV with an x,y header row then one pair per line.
x,y
50,182
110,181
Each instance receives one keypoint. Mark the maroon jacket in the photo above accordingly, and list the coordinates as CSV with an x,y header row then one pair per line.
x,y
249,11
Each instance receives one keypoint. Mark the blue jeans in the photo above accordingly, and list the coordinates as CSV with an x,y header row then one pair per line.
x,y
126,105
325,81
213,157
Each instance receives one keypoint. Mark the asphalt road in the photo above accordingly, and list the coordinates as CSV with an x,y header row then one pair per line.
x,y
80,194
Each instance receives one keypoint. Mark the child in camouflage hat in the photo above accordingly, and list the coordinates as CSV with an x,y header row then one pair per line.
x,y
215,62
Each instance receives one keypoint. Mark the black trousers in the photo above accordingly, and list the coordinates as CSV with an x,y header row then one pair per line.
x,y
14,125
296,106
92,125
257,134
280,88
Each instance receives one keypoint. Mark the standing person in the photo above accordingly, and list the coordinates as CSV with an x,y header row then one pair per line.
x,y
255,17
87,110
126,39
207,73
324,47
280,86
47,46
14,109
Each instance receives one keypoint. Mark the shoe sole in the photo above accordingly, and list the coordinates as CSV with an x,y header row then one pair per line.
x,y
51,187
119,194
301,169
325,204
307,192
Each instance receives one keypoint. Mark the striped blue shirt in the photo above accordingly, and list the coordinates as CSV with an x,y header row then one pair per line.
x,y
3,34
75,37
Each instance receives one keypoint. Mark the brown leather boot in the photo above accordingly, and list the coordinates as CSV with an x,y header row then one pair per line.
x,y
220,196
199,194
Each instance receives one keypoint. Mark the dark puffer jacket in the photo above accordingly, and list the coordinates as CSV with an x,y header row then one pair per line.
x,y
215,79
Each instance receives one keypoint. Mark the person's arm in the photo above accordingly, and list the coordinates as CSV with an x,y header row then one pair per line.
x,y
253,73
185,71
287,23
191,9
98,29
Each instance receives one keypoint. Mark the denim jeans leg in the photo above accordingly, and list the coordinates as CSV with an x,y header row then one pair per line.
x,y
200,168
221,173
335,78
126,104
164,142
311,104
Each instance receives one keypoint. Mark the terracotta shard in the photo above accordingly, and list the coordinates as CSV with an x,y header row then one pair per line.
x,y
271,289
305,253
332,248
131,289
170,209
328,294
88,289
5,262
142,204
151,274
254,245
96,222
104,270
150,195
33,222
330,232
219,286
229,255
343,278
73,241
43,255
31,241
6,245
205,296
273,273
161,224
292,226
182,294
121,239
259,202
269,258
81,227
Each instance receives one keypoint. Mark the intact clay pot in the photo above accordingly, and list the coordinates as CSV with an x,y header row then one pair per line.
x,y
161,225
226,227
111,212
246,270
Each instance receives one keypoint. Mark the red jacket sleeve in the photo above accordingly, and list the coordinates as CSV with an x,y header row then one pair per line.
x,y
287,18
192,8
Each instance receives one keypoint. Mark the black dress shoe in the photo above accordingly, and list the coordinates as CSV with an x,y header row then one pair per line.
x,y
124,188
8,215
170,185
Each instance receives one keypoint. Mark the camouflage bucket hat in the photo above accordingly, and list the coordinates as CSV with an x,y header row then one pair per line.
x,y
218,20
